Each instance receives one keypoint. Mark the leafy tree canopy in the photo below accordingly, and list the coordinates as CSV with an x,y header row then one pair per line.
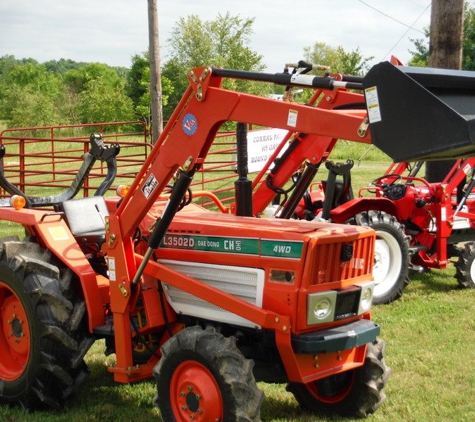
x,y
222,42
61,66
61,92
138,86
339,60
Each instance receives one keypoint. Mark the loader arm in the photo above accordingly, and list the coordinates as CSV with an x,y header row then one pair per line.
x,y
310,148
191,130
182,148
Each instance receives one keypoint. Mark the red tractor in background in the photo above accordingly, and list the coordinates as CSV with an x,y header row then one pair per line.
x,y
437,217
205,302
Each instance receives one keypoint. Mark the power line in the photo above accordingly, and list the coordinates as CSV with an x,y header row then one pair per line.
x,y
405,33
417,4
390,17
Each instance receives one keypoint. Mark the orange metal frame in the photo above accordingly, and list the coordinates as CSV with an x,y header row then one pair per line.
x,y
184,144
313,148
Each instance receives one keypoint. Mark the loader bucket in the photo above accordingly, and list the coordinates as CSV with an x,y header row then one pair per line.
x,y
421,113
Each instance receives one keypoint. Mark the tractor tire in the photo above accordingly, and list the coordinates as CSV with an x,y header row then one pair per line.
x,y
391,255
43,338
465,266
354,393
202,375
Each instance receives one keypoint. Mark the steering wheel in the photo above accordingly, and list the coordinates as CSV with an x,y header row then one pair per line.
x,y
378,182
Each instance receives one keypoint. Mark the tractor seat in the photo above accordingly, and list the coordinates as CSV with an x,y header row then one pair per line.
x,y
86,219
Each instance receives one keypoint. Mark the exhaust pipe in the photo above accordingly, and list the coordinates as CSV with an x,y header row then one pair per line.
x,y
242,186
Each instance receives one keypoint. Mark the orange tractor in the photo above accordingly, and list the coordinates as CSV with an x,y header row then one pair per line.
x,y
207,303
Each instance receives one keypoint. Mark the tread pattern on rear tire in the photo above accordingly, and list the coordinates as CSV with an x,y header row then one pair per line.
x,y
58,333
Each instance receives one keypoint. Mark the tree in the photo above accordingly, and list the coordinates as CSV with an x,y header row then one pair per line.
x,y
33,108
96,93
222,42
29,94
339,60
77,79
468,46
61,66
102,102
138,87
420,55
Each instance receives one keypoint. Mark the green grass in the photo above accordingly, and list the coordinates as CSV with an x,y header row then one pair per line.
x,y
429,334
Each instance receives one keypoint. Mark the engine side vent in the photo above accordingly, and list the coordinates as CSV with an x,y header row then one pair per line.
x,y
245,283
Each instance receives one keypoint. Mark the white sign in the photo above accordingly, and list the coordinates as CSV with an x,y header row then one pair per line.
x,y
261,144
372,101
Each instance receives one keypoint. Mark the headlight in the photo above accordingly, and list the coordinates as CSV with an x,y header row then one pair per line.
x,y
366,297
321,307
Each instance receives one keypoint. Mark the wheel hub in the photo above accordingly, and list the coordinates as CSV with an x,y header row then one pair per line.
x,y
197,396
17,328
333,389
14,334
193,402
381,260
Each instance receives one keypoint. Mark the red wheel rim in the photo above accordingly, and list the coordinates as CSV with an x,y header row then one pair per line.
x,y
14,335
195,394
340,388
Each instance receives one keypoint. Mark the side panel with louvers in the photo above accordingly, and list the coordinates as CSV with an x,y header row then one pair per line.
x,y
244,283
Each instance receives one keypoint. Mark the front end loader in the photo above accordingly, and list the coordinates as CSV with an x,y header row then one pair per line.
x,y
205,302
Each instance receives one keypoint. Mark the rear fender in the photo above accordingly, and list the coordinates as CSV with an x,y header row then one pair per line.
x,y
53,234
355,206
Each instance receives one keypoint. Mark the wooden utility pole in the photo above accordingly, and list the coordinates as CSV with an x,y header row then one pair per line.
x,y
446,31
445,51
155,72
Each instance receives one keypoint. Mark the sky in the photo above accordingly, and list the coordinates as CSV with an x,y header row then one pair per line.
x,y
113,31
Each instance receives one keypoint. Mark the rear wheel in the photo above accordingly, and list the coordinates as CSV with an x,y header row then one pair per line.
x,y
465,273
356,393
203,376
43,339
391,255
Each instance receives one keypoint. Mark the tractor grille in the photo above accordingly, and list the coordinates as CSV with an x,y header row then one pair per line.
x,y
244,283
327,265
347,303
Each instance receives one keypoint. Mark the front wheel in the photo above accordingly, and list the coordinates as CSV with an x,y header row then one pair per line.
x,y
391,255
355,393
203,376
